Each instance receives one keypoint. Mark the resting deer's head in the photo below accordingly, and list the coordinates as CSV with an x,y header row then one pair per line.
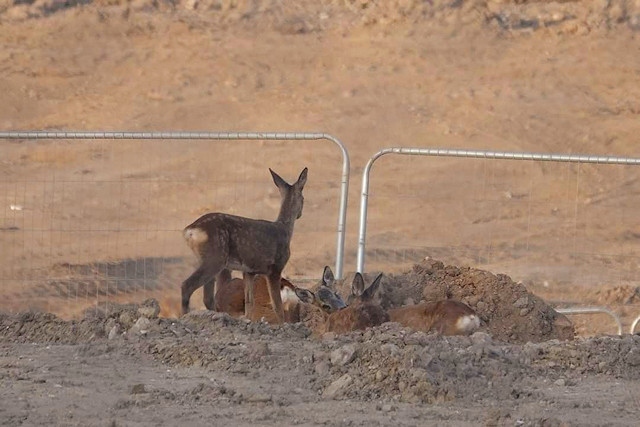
x,y
325,296
360,295
362,311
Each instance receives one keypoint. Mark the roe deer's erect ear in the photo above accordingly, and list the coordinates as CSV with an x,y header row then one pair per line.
x,y
280,183
327,277
305,295
369,293
302,179
357,286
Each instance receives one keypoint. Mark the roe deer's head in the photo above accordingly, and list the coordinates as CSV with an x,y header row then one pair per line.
x,y
291,194
324,297
360,295
362,313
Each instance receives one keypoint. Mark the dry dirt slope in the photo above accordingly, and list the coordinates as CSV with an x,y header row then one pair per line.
x,y
531,76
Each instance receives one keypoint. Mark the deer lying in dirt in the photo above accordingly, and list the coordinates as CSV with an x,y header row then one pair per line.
x,y
446,317
222,241
362,312
230,299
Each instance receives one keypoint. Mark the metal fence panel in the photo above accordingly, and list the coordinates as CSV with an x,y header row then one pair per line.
x,y
562,219
88,220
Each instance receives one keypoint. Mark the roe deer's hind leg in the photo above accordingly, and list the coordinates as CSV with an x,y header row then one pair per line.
x,y
274,292
204,275
214,260
189,286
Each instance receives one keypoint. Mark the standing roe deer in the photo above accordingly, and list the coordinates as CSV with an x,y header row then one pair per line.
x,y
222,241
362,313
446,317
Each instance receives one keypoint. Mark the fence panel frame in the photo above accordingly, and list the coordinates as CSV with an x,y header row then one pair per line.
x,y
483,154
280,136
634,324
594,310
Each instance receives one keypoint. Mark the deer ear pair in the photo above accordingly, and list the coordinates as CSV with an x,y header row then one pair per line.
x,y
358,290
282,184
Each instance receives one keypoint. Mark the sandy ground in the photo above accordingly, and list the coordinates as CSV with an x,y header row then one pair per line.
x,y
89,223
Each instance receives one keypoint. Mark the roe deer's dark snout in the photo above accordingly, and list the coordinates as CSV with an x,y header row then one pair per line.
x,y
325,297
229,242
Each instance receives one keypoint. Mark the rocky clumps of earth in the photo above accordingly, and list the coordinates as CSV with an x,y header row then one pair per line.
x,y
387,363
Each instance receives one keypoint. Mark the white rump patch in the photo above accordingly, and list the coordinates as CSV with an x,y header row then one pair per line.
x,y
288,295
468,323
195,236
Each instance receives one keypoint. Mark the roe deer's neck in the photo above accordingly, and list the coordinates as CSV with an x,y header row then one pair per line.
x,y
287,221
287,215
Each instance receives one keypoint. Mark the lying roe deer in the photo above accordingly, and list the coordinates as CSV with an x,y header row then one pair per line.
x,y
446,317
223,241
362,313
230,299
229,294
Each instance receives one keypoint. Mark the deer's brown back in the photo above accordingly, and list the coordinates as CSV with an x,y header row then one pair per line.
x,y
443,316
356,317
245,244
230,299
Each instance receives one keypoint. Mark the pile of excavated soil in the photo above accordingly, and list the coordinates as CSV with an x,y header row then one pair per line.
x,y
315,16
509,312
389,362
386,362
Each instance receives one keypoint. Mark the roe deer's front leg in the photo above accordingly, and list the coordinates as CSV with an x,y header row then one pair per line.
x,y
208,297
274,292
204,275
249,291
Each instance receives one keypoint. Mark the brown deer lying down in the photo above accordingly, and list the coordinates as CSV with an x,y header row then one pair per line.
x,y
446,317
362,311
230,299
222,241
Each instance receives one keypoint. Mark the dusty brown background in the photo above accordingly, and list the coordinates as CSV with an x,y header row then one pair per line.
x,y
522,76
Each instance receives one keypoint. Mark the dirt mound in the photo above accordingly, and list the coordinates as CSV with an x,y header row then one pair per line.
x,y
97,322
389,362
621,295
385,363
45,327
508,311
579,17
